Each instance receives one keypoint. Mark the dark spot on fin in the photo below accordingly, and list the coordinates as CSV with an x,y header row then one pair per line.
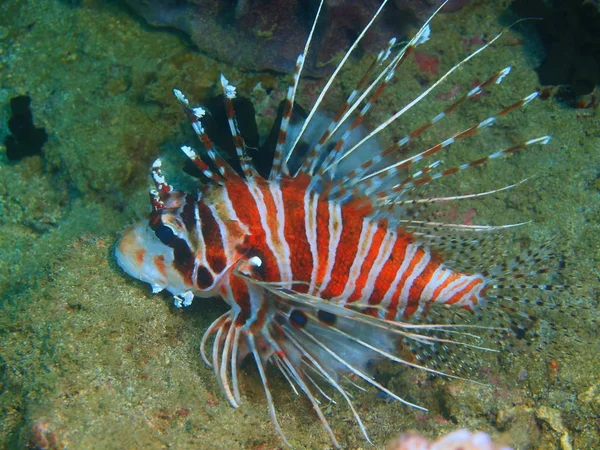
x,y
298,318
327,317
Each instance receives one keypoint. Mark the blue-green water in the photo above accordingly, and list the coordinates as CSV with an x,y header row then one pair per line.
x,y
91,356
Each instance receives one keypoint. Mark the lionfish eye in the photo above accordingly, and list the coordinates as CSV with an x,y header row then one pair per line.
x,y
165,234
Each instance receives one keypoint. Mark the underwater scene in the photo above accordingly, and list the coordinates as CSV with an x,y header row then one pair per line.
x,y
394,247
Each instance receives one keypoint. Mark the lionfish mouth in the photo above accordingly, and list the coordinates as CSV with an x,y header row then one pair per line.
x,y
324,268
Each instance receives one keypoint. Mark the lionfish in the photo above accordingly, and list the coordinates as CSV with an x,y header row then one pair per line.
x,y
329,261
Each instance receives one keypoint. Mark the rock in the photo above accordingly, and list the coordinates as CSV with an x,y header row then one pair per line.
x,y
551,417
565,442
270,35
591,395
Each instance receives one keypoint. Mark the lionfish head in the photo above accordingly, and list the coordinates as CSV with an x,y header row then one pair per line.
x,y
149,249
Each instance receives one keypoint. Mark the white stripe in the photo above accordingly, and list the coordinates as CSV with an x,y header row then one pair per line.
x,y
411,251
225,236
439,117
504,72
453,288
418,270
437,279
226,201
228,89
229,216
475,290
439,276
447,142
310,227
542,140
530,97
283,244
365,241
487,122
200,259
385,250
200,256
336,226
476,90
201,245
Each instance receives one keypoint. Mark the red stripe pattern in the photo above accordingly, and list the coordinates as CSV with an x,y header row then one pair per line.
x,y
314,245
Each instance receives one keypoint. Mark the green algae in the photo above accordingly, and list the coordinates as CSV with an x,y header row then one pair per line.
x,y
109,365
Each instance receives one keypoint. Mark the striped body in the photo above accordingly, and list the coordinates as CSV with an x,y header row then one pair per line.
x,y
336,250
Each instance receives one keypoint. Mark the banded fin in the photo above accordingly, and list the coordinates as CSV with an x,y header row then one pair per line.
x,y
315,343
195,116
229,94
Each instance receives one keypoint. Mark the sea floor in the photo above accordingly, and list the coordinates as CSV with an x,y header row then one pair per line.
x,y
91,359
